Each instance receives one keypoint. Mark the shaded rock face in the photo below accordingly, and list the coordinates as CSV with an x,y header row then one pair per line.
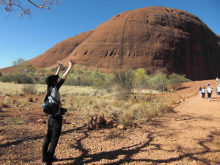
x,y
152,38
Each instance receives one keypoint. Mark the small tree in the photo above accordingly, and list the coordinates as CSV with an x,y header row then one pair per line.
x,y
150,86
98,79
160,81
23,7
22,67
19,61
139,79
125,80
19,64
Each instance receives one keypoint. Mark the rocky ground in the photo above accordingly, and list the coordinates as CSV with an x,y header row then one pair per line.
x,y
189,135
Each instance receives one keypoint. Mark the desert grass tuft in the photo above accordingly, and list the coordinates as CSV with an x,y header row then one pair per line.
x,y
15,121
29,89
126,118
30,99
3,105
7,102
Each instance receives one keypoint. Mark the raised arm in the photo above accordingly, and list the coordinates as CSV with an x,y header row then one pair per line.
x,y
59,66
71,64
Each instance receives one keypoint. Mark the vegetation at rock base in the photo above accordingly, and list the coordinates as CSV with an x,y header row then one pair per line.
x,y
128,95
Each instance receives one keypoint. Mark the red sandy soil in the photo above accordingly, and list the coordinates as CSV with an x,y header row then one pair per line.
x,y
190,135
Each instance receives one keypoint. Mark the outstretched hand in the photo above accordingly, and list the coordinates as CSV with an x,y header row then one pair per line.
x,y
59,64
72,62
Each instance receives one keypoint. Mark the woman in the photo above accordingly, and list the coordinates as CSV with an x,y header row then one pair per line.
x,y
203,92
200,91
218,91
54,121
209,92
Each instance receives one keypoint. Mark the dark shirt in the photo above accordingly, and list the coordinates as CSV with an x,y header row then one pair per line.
x,y
58,85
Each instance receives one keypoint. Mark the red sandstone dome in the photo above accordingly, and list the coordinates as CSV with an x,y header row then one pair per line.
x,y
152,38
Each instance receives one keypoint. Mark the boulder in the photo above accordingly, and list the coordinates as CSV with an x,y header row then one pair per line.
x,y
41,121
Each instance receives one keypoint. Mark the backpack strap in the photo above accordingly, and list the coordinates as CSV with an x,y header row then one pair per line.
x,y
46,97
49,94
54,99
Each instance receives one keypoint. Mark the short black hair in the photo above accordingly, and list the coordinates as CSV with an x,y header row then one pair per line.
x,y
50,80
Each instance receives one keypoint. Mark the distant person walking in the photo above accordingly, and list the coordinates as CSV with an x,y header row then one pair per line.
x,y
200,91
218,91
203,92
217,80
209,92
54,121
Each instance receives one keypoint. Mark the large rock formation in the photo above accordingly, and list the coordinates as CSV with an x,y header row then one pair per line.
x,y
152,38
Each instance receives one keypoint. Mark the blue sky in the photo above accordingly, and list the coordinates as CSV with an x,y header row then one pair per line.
x,y
27,37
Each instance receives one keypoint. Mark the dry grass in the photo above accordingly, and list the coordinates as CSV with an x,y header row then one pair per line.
x,y
89,101
3,105
16,89
29,89
127,111
15,121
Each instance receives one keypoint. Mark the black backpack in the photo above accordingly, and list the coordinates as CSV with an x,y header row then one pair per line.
x,y
53,109
48,107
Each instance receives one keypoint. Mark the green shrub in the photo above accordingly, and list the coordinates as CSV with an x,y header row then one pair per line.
x,y
77,69
101,80
24,79
17,78
175,80
40,77
81,77
160,81
125,79
78,80
140,78
7,78
97,79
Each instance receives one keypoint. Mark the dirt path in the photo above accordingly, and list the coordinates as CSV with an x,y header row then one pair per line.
x,y
190,135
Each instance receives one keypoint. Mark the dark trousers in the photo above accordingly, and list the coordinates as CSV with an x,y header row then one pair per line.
x,y
52,137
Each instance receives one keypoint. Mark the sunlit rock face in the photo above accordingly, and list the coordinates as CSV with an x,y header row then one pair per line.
x,y
60,51
152,38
